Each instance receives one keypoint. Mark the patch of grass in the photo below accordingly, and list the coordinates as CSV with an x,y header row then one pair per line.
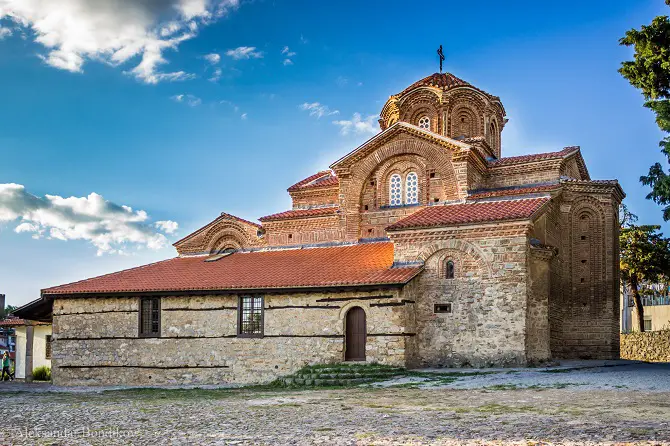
x,y
557,371
42,373
503,387
324,429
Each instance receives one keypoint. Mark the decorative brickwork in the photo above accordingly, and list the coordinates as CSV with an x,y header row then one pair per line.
x,y
477,260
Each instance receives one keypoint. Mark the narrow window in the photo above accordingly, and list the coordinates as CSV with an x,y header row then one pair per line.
x,y
47,350
442,308
412,188
449,270
250,314
647,325
150,317
395,190
424,123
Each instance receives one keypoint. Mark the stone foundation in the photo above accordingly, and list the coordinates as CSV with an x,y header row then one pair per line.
x,y
96,339
652,346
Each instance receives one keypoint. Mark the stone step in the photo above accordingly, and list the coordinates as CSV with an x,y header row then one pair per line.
x,y
325,382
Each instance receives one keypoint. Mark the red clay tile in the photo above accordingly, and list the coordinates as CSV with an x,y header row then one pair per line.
x,y
325,178
301,213
534,157
350,265
466,213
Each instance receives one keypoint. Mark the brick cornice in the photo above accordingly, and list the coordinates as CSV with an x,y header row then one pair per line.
x,y
341,166
595,187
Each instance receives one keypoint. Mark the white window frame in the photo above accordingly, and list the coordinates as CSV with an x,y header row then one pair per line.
x,y
412,196
395,190
424,122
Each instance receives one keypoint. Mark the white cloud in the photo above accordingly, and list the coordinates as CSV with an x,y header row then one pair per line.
x,y
245,52
107,226
287,52
317,109
74,32
243,116
167,226
188,99
212,58
5,32
341,81
303,40
216,75
358,125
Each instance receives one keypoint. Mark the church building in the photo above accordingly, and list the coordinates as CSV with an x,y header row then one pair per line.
x,y
423,247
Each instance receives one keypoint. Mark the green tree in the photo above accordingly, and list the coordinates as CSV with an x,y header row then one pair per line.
x,y
649,71
645,257
9,309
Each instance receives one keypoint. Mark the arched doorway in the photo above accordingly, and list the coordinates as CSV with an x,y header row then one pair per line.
x,y
355,335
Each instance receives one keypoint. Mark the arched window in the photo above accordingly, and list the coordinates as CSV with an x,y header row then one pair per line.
x,y
424,122
449,270
411,188
395,190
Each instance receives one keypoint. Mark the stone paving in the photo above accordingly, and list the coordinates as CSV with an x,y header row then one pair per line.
x,y
399,415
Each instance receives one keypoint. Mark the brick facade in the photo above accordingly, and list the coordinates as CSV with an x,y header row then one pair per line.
x,y
521,288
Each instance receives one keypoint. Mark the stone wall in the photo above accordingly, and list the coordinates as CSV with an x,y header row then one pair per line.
x,y
584,302
96,339
653,346
488,294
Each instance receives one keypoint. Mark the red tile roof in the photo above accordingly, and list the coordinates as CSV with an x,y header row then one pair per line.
x,y
522,190
534,157
301,213
16,322
325,178
350,265
467,213
444,81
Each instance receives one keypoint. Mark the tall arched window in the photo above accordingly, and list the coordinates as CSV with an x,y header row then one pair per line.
x,y
411,188
449,270
424,122
395,190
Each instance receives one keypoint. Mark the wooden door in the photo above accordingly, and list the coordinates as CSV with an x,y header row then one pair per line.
x,y
355,335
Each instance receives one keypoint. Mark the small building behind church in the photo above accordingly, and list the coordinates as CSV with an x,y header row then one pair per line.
x,y
423,247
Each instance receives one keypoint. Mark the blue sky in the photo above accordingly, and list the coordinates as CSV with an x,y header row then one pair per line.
x,y
79,116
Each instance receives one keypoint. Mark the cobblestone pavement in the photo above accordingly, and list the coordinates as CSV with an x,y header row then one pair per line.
x,y
358,416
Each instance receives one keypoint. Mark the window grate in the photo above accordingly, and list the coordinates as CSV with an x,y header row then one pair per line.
x,y
251,316
150,317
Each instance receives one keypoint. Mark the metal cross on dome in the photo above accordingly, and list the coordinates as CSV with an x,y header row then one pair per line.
x,y
441,54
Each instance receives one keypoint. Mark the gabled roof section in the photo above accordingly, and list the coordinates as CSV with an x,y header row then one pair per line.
x,y
363,264
325,178
525,189
301,213
398,128
471,213
223,216
565,154
445,82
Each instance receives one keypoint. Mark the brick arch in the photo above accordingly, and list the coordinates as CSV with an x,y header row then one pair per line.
x,y
587,254
424,102
439,158
457,249
226,233
465,120
402,165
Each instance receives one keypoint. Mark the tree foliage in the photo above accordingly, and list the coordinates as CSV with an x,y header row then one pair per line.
x,y
649,71
645,257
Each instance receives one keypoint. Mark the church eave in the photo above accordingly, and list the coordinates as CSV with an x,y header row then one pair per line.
x,y
399,127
